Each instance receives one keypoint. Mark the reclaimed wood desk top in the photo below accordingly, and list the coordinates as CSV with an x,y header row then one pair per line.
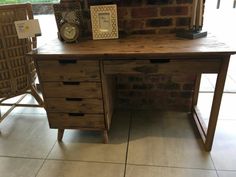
x,y
138,46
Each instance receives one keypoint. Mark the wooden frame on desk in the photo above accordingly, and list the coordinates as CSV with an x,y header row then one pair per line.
x,y
104,21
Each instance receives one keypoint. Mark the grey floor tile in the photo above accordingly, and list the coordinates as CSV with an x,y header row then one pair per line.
x,y
26,135
52,168
227,109
226,173
19,167
151,171
23,110
212,79
206,85
166,139
88,145
232,65
224,147
230,84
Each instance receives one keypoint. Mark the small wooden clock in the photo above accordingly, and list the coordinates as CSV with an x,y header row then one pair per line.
x,y
69,32
69,20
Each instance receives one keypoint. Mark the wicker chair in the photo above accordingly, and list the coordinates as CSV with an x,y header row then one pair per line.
x,y
17,72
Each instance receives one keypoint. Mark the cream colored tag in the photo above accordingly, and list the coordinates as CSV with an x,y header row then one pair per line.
x,y
27,28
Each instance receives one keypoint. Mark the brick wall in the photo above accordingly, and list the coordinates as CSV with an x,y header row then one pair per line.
x,y
160,91
153,16
172,92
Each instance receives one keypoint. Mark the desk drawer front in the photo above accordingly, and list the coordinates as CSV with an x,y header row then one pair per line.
x,y
73,120
72,89
61,70
74,105
161,66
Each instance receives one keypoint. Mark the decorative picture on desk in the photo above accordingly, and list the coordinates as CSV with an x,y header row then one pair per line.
x,y
104,22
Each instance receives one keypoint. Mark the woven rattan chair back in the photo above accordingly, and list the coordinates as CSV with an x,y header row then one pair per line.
x,y
17,73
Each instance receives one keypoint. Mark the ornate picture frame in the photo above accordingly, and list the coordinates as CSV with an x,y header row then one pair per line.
x,y
104,21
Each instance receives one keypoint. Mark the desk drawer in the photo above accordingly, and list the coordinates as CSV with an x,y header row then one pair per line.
x,y
163,66
73,120
72,89
74,105
61,70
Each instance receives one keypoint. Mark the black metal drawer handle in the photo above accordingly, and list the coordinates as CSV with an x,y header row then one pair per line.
x,y
76,114
74,99
63,62
71,83
159,61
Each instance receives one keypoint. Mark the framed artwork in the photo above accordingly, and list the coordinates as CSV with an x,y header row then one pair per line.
x,y
104,21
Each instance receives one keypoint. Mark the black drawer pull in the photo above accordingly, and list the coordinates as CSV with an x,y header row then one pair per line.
x,y
74,99
63,62
76,114
71,83
159,61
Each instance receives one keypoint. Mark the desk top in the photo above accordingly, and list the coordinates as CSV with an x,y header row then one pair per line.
x,y
137,46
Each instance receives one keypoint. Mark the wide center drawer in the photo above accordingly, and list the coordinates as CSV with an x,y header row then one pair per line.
x,y
60,70
72,89
73,120
161,66
74,105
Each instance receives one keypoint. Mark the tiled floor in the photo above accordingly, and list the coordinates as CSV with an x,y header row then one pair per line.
x,y
142,143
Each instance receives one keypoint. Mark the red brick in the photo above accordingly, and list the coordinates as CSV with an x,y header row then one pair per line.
x,y
173,11
131,25
159,22
184,1
144,12
183,21
167,31
136,24
159,2
122,12
147,31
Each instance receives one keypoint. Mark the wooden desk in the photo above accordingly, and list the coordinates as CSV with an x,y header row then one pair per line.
x,y
77,80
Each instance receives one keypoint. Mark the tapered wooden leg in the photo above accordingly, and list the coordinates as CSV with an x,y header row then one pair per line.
x,y
60,134
196,90
219,88
105,136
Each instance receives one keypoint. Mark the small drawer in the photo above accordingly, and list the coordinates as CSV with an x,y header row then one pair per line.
x,y
72,89
75,120
74,105
61,70
161,66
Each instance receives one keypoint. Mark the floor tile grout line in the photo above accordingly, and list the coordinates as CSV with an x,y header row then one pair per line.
x,y
225,92
217,174
44,160
127,148
227,170
214,164
192,168
87,161
18,157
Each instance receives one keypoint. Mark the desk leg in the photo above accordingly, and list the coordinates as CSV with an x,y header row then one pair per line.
x,y
219,88
60,134
196,89
105,136
196,114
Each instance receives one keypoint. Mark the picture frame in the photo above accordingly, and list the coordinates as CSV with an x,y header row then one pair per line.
x,y
104,22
